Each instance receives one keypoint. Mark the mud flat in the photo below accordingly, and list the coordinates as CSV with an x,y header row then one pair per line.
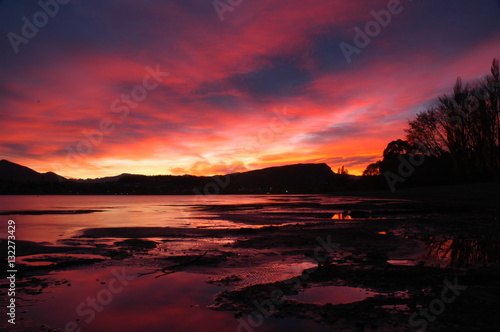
x,y
382,264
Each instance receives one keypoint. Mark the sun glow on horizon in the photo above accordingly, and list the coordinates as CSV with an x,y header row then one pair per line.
x,y
268,86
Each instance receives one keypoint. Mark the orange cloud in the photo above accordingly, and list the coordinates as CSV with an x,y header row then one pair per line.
x,y
228,83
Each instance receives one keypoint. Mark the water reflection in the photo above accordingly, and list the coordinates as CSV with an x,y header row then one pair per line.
x,y
342,216
52,259
196,211
458,253
403,262
332,294
358,214
176,302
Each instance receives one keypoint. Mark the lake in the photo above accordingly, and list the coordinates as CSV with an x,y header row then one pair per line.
x,y
176,302
213,263
147,211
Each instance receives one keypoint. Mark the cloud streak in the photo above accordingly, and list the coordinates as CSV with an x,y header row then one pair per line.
x,y
226,78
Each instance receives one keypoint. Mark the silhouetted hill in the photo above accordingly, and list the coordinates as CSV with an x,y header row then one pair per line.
x,y
290,178
104,179
10,171
300,178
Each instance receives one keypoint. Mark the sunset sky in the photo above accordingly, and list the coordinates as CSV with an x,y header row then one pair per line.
x,y
262,83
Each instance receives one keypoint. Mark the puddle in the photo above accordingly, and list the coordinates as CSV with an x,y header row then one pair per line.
x,y
453,253
127,302
403,262
458,253
189,245
270,273
50,259
332,294
395,307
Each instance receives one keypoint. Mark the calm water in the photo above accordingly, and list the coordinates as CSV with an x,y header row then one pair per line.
x,y
175,302
134,211
58,300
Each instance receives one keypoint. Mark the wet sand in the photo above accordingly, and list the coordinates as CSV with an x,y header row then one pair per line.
x,y
380,264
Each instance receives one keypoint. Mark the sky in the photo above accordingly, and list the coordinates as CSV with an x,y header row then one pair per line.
x,y
98,88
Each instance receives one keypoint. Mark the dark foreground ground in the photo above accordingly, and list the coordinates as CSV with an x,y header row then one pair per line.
x,y
428,256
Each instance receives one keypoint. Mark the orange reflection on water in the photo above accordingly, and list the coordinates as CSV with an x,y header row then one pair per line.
x,y
459,253
341,216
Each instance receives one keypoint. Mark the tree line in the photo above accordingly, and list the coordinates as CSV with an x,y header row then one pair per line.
x,y
456,140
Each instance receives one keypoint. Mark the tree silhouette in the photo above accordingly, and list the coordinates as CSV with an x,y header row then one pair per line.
x,y
463,126
342,171
396,148
373,169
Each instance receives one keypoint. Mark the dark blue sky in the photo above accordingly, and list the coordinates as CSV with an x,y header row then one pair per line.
x,y
268,85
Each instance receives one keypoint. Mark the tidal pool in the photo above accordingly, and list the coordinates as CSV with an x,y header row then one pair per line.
x,y
121,299
332,294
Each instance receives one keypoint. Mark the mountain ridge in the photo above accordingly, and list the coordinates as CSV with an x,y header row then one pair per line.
x,y
15,172
296,178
